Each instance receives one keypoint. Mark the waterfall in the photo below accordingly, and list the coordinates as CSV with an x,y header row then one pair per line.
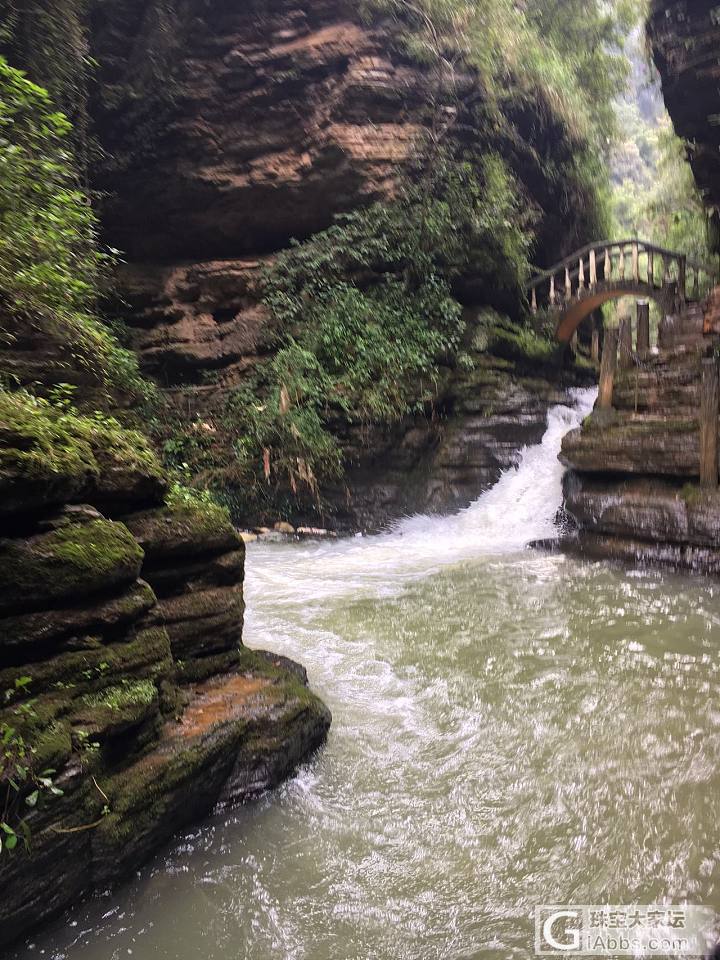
x,y
519,508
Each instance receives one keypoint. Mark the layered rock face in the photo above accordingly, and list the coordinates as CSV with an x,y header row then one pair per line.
x,y
685,35
633,490
484,417
123,669
229,130
259,122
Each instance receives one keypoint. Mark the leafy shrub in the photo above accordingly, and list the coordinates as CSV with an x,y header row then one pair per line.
x,y
368,317
21,784
40,437
50,264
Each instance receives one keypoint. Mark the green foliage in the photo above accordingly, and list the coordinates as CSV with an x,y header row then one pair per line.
x,y
46,438
199,509
673,207
559,62
20,783
526,346
47,228
589,39
368,316
127,693
565,54
48,39
654,193
50,267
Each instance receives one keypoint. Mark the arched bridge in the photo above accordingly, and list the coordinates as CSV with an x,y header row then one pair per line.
x,y
610,269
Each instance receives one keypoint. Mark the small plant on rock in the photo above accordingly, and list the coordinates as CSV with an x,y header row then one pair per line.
x,y
20,786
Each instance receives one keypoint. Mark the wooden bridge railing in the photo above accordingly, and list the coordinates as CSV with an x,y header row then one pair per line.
x,y
631,262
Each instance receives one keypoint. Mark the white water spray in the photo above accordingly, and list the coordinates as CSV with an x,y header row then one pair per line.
x,y
447,800
520,508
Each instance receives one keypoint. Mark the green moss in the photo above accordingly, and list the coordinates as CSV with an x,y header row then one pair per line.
x,y
45,442
614,421
653,427
691,494
198,511
197,669
97,545
37,440
522,344
74,559
53,747
601,420
146,655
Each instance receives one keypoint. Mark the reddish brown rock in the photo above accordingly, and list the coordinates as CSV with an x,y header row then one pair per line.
x,y
197,323
270,118
230,129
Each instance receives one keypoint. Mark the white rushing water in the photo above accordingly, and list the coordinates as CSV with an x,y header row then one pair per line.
x,y
519,508
510,728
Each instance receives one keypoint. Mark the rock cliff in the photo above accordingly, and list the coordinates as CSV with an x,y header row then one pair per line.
x,y
229,132
684,39
633,492
126,687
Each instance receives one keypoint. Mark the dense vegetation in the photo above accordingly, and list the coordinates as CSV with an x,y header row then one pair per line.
x,y
50,263
51,273
367,315
368,310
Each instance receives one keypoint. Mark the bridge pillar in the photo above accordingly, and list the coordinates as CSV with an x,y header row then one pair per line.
x,y
682,279
709,406
607,369
643,327
625,338
595,343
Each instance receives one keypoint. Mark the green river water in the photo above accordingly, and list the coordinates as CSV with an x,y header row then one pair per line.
x,y
510,728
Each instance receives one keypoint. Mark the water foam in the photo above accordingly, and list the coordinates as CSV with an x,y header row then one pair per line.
x,y
519,508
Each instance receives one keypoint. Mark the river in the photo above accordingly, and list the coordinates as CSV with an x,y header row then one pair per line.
x,y
510,728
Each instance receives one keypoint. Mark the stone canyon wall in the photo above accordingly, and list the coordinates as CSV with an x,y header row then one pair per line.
x,y
125,681
229,130
633,491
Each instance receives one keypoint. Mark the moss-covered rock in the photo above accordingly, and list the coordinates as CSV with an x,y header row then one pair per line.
x,y
53,747
201,623
146,654
184,530
201,573
238,735
200,668
117,709
49,628
645,509
74,560
51,455
661,446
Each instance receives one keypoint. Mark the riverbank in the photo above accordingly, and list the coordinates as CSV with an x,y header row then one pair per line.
x,y
510,728
634,490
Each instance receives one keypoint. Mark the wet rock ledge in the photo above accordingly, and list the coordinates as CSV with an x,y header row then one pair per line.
x,y
123,606
633,490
